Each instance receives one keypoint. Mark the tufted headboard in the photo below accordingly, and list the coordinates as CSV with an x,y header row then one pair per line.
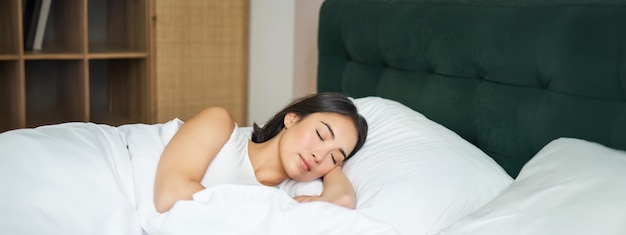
x,y
508,76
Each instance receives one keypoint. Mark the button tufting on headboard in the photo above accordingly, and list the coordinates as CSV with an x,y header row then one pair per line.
x,y
508,76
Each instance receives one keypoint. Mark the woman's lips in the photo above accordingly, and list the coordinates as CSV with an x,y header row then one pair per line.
x,y
305,164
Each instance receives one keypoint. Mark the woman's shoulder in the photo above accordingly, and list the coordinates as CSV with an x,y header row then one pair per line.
x,y
217,111
218,116
216,119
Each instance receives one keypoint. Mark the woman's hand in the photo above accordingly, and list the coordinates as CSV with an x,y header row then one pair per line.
x,y
308,198
340,201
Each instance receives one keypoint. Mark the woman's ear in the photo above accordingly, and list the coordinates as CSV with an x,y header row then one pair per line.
x,y
290,118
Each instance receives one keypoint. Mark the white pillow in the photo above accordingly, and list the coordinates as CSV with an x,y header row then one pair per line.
x,y
415,174
570,187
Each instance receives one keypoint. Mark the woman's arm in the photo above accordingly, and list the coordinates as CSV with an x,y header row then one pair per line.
x,y
337,190
187,156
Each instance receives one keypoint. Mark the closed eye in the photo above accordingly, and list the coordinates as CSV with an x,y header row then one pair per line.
x,y
318,135
333,157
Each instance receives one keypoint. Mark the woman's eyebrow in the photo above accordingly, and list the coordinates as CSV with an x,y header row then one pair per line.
x,y
332,133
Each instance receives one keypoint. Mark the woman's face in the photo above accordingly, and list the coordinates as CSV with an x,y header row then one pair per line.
x,y
312,146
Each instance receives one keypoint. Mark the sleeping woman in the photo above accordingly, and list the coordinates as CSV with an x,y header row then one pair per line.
x,y
88,178
309,139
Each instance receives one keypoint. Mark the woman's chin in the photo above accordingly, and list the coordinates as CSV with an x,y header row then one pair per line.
x,y
299,173
301,176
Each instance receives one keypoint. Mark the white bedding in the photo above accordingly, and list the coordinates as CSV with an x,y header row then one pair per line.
x,y
83,178
73,178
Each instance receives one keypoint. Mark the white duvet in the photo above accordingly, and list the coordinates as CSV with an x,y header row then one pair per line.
x,y
84,178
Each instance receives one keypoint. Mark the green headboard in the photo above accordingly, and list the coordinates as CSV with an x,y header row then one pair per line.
x,y
508,75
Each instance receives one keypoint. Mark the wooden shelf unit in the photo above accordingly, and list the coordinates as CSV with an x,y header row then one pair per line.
x,y
94,65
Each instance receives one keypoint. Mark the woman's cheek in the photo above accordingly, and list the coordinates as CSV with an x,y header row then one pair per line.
x,y
324,169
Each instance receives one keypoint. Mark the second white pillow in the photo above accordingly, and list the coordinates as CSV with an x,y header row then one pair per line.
x,y
571,186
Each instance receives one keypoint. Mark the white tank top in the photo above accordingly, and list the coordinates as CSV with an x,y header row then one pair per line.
x,y
232,164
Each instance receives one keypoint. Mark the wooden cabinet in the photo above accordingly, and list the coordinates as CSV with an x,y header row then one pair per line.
x,y
94,65
124,61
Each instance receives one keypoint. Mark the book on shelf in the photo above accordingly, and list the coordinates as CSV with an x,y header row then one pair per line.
x,y
35,13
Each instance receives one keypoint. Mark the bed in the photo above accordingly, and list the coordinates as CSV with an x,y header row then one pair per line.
x,y
486,117
538,86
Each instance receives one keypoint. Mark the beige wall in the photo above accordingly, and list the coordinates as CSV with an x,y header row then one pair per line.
x,y
282,54
305,52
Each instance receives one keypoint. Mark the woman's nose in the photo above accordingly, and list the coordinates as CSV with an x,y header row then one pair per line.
x,y
316,157
319,155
